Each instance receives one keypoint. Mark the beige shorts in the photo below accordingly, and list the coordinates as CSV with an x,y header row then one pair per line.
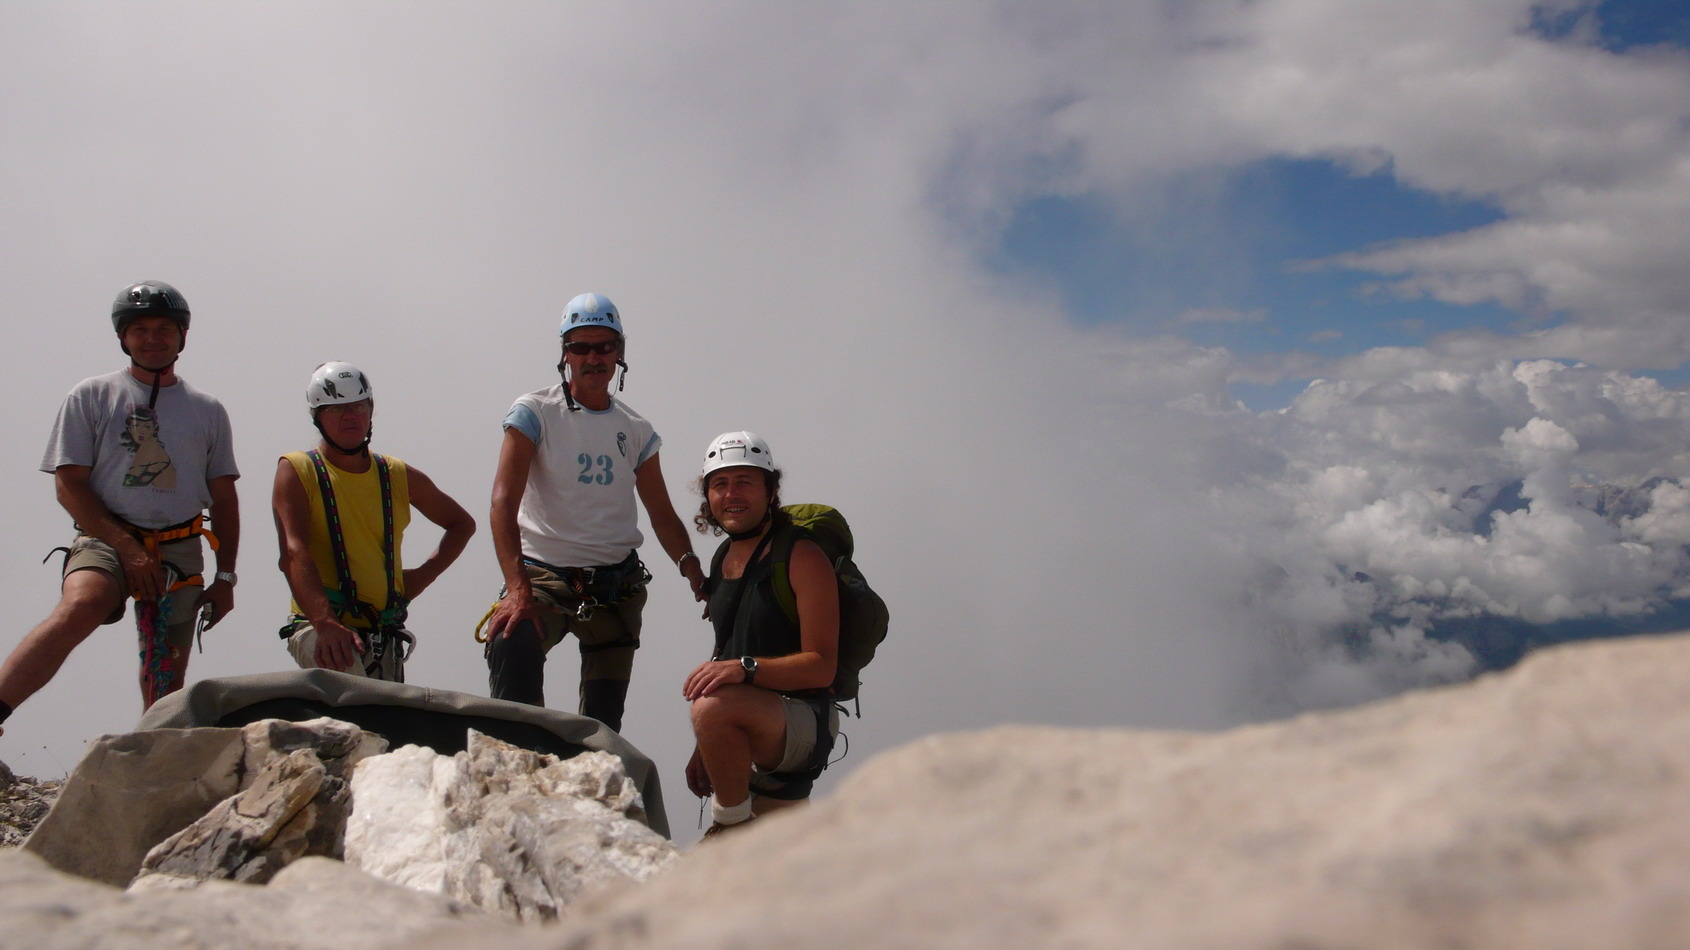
x,y
302,646
185,559
802,731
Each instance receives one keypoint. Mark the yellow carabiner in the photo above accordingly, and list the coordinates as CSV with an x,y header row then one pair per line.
x,y
483,622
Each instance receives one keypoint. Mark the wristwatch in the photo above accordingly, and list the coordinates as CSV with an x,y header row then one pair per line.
x,y
227,576
749,664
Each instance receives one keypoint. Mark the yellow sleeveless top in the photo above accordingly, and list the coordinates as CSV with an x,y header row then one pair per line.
x,y
358,498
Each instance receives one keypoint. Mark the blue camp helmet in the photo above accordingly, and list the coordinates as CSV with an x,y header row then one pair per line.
x,y
738,448
591,310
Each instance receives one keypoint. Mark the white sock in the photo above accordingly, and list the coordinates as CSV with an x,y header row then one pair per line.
x,y
730,814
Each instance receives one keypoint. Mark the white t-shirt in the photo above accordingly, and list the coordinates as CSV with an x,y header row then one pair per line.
x,y
150,467
578,508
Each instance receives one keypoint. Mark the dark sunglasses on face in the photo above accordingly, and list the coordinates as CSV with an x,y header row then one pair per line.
x,y
579,348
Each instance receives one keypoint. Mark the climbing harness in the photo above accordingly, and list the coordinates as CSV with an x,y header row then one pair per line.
x,y
386,626
162,666
606,585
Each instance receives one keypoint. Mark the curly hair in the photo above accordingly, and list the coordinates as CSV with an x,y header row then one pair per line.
x,y
706,523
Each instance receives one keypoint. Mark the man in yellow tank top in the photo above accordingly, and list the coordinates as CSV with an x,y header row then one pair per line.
x,y
341,513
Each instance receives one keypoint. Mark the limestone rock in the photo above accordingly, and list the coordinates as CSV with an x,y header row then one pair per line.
x,y
398,827
132,792
294,803
1544,807
338,745
501,828
293,808
312,904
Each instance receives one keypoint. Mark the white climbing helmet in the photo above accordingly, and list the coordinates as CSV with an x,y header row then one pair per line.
x,y
591,310
334,383
738,448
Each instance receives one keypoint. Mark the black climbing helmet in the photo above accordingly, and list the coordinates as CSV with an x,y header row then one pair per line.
x,y
149,298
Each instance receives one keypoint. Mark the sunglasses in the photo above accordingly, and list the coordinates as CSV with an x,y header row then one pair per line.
x,y
579,348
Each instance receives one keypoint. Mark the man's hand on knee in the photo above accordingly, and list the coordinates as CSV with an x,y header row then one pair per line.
x,y
143,571
338,646
511,612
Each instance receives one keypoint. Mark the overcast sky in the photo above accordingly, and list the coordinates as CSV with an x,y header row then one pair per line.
x,y
1172,360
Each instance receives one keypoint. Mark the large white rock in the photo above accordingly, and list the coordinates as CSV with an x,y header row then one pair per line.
x,y
398,827
501,828
1546,807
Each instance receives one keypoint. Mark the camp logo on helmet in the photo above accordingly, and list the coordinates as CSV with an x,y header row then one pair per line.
x,y
334,392
738,448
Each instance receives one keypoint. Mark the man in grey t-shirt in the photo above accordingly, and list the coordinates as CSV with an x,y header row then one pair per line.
x,y
137,456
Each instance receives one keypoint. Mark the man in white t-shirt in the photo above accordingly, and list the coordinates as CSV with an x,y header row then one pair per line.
x,y
137,456
564,524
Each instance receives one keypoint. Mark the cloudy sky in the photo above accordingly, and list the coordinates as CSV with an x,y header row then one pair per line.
x,y
1179,364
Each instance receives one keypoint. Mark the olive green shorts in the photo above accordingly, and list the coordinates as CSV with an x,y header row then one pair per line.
x,y
608,635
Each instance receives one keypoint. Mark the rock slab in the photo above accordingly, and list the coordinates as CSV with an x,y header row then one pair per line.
x,y
192,793
313,904
294,802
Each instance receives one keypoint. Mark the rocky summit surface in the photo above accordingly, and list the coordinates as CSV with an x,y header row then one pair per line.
x,y
23,803
1546,807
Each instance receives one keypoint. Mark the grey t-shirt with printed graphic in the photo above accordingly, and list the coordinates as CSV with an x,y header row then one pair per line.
x,y
151,467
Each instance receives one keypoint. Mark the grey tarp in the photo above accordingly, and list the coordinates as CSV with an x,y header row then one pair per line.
x,y
404,714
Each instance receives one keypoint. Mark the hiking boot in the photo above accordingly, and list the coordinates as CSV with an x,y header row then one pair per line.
x,y
717,829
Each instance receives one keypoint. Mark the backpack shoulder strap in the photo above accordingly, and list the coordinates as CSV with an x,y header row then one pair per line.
x,y
780,556
716,561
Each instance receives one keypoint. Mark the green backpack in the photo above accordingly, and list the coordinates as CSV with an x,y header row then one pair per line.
x,y
863,616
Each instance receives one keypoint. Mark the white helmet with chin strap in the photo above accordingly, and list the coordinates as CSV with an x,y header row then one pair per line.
x,y
334,383
731,449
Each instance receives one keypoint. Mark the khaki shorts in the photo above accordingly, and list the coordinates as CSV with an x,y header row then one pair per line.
x,y
302,646
186,557
802,731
